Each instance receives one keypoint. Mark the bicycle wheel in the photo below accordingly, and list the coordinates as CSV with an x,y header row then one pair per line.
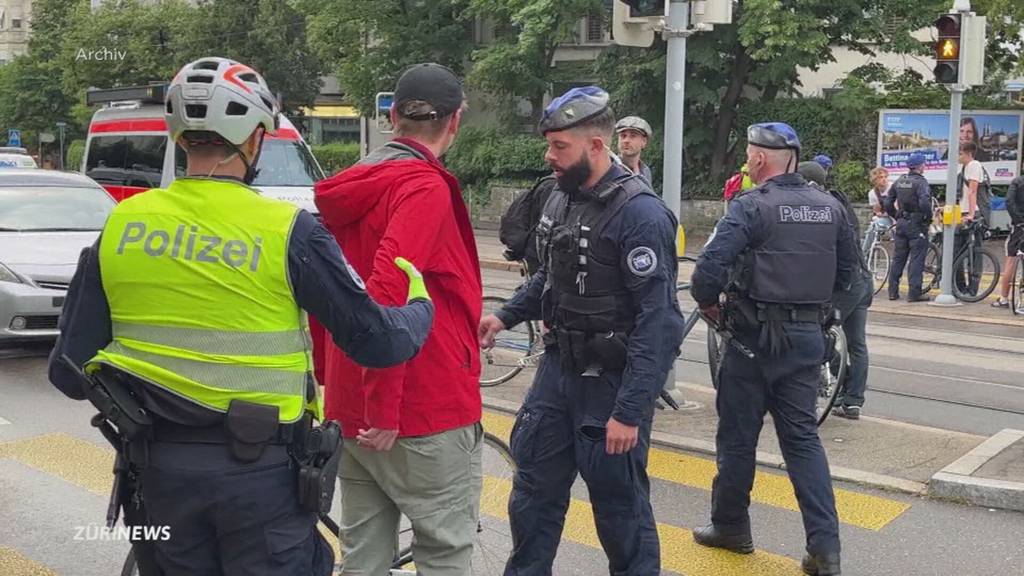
x,y
932,268
832,373
975,275
878,263
1017,288
714,355
493,534
502,362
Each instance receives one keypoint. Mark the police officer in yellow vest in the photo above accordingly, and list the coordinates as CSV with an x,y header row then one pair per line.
x,y
195,294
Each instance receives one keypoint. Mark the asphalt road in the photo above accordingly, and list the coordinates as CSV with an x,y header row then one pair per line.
x,y
948,374
54,473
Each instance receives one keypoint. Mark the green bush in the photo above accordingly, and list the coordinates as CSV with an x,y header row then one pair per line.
x,y
73,160
336,157
851,178
483,155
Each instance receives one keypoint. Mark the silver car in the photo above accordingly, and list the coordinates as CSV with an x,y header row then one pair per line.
x,y
46,219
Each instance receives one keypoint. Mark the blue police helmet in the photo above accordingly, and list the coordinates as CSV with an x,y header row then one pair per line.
x,y
774,136
573,108
824,161
916,159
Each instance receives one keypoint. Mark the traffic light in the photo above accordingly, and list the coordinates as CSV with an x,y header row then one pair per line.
x,y
645,8
947,48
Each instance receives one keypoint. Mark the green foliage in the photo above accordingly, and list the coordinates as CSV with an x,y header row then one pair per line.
x,y
483,155
851,178
368,44
337,156
73,156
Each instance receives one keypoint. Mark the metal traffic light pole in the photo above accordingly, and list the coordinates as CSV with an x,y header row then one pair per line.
x,y
956,100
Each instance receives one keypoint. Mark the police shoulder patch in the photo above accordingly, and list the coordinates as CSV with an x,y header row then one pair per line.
x,y
355,275
642,261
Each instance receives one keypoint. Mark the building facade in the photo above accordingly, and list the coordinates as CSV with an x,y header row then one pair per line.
x,y
15,17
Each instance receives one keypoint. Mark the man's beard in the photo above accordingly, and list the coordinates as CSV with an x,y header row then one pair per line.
x,y
575,176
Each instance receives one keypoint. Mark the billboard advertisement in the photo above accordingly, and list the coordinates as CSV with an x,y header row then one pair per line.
x,y
996,133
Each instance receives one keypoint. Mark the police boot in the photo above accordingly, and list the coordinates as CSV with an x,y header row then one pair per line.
x,y
824,565
919,298
712,536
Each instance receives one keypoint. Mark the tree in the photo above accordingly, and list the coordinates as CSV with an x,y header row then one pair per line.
x,y
757,59
518,63
269,35
368,44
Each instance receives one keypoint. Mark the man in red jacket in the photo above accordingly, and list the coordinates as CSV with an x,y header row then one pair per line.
x,y
416,426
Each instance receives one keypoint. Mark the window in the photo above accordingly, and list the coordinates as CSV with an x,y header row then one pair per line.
x,y
16,23
595,28
126,160
286,163
53,208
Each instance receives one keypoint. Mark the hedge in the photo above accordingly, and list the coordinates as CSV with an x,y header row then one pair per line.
x,y
73,156
337,156
483,155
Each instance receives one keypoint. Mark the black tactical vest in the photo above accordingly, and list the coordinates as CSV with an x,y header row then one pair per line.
x,y
906,197
585,290
793,251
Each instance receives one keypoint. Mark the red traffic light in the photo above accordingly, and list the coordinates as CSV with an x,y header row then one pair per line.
x,y
948,25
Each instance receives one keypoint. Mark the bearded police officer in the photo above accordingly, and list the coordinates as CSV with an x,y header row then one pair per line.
x,y
606,292
777,255
194,296
910,202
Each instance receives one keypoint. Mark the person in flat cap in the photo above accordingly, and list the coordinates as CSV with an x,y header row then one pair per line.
x,y
413,435
910,203
634,133
766,278
606,292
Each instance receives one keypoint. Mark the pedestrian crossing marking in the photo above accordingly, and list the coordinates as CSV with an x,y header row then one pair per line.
x,y
854,508
679,553
14,563
72,459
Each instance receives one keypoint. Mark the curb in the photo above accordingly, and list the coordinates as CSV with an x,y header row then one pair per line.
x,y
954,482
668,440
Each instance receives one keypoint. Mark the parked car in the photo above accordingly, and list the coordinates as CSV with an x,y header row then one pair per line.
x,y
128,150
46,219
16,157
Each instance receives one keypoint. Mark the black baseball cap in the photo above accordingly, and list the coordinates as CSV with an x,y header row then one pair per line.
x,y
432,83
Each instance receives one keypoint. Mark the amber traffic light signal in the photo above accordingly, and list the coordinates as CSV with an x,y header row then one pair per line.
x,y
947,49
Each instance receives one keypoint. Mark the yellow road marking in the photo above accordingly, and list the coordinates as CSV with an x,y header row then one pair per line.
x,y
14,563
69,458
679,553
855,509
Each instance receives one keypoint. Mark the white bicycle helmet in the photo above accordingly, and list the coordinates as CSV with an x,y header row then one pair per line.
x,y
221,96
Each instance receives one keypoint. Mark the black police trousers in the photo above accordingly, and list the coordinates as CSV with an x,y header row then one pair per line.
x,y
911,242
227,518
787,387
559,432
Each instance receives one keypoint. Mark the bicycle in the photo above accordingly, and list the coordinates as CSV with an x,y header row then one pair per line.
x,y
879,261
494,537
831,384
972,265
1017,286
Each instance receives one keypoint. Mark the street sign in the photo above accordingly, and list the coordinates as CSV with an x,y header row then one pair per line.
x,y
47,137
14,137
383,113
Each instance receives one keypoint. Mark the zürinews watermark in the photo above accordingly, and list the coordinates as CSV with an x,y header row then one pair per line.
x,y
94,532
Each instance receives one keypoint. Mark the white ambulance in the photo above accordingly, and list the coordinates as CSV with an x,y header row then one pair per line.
x,y
129,151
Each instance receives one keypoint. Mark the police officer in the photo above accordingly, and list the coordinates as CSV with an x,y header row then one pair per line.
x,y
910,202
634,133
194,295
606,292
777,254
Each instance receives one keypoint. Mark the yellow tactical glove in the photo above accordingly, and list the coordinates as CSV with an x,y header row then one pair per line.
x,y
417,289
